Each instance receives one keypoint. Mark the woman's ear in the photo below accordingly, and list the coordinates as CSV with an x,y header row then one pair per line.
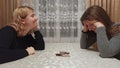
x,y
22,21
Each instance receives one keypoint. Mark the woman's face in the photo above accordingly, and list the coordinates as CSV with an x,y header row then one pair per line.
x,y
90,25
31,22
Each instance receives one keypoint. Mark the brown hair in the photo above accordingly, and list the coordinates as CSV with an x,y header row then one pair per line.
x,y
99,14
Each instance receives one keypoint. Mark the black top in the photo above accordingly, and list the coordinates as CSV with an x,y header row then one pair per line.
x,y
13,47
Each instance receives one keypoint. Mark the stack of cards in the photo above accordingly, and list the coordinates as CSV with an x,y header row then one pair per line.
x,y
63,54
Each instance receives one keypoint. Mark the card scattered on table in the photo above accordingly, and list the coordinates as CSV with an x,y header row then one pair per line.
x,y
63,54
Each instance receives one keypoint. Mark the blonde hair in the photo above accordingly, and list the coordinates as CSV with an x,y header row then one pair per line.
x,y
19,14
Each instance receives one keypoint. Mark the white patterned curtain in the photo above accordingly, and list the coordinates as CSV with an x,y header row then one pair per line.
x,y
59,20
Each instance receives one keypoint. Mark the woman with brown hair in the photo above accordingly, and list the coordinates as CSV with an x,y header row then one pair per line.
x,y
22,37
98,27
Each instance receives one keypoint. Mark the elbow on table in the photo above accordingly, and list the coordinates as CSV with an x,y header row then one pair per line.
x,y
40,47
106,55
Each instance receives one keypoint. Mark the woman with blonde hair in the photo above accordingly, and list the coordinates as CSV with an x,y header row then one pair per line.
x,y
22,37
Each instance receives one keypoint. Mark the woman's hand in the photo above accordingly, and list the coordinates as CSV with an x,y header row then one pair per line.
x,y
85,28
30,50
98,24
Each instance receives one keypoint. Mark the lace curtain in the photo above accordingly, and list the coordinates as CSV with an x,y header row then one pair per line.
x,y
59,20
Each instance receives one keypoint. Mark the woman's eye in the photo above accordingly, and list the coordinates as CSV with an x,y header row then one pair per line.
x,y
32,15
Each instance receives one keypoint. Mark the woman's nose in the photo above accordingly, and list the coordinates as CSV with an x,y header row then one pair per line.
x,y
36,18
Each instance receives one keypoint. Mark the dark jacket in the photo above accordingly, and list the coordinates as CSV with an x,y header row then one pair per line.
x,y
13,47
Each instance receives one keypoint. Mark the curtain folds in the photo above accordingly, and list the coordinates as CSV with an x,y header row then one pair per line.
x,y
6,11
111,6
58,19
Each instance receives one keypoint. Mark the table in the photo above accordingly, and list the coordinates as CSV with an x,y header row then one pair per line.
x,y
79,58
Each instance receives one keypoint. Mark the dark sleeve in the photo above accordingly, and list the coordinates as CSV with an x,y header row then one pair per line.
x,y
40,44
7,55
36,40
7,35
87,39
